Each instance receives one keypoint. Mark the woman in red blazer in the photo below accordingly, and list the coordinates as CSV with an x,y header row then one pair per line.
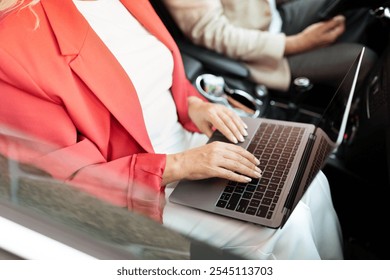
x,y
53,89
61,87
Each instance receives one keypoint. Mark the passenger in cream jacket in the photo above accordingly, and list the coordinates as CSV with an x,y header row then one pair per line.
x,y
277,43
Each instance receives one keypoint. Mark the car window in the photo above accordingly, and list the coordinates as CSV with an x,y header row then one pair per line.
x,y
30,197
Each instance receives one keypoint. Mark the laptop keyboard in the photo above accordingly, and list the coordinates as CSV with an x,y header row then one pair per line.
x,y
275,146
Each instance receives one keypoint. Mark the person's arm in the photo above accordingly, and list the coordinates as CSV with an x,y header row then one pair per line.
x,y
205,23
36,129
317,35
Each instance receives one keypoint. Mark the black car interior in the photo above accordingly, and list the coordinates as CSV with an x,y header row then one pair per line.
x,y
359,173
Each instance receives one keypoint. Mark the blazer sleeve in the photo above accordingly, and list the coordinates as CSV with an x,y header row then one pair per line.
x,y
205,23
132,181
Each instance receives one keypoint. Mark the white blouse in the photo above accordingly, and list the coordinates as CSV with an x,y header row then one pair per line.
x,y
148,63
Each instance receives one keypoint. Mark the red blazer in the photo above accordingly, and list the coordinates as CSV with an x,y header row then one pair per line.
x,y
59,83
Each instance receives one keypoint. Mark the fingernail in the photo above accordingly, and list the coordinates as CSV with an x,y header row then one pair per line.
x,y
257,161
248,179
241,138
245,133
258,170
257,174
235,141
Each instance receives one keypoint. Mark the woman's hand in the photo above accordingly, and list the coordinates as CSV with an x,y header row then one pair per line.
x,y
209,116
317,35
216,159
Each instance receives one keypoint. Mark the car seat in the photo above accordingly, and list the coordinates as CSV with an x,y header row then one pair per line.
x,y
277,105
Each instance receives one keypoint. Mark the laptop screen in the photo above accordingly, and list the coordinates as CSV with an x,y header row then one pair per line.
x,y
334,119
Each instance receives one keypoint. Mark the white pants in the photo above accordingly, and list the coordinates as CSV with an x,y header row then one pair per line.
x,y
311,232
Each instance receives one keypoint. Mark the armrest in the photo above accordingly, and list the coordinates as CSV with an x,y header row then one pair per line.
x,y
192,67
213,60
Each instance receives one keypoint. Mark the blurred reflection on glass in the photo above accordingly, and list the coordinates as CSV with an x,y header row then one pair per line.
x,y
27,186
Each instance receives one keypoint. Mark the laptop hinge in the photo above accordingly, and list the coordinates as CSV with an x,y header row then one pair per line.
x,y
388,151
285,216
289,204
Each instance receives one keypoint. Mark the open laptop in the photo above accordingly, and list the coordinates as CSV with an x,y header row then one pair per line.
x,y
290,154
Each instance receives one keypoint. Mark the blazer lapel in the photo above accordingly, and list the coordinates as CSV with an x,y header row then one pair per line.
x,y
105,78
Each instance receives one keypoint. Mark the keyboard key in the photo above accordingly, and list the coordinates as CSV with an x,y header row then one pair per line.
x,y
254,203
272,187
231,205
225,196
242,205
258,195
251,211
266,201
251,188
261,188
221,203
262,212
269,194
247,195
